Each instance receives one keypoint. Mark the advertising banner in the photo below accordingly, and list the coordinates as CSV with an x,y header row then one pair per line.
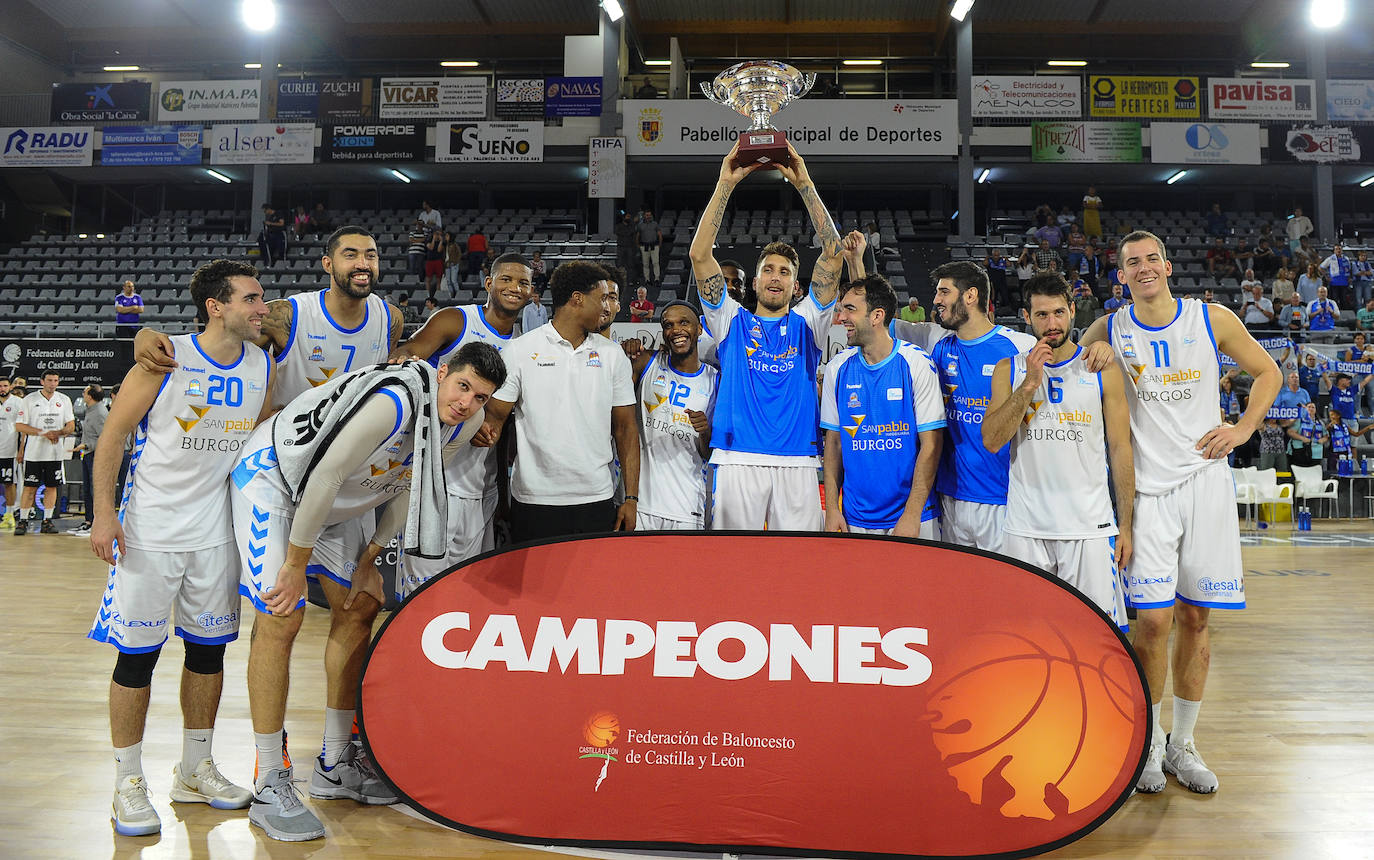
x,y
81,362
814,126
488,141
150,144
40,146
1350,101
1204,143
262,143
810,712
1261,98
606,167
572,97
1144,96
192,101
1324,144
1085,141
373,142
114,102
434,98
1022,97
324,98
519,98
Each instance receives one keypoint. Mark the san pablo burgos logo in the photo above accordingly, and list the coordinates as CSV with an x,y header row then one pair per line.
x,y
598,735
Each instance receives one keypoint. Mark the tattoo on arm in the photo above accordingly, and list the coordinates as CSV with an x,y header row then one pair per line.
x,y
713,288
398,325
276,326
830,237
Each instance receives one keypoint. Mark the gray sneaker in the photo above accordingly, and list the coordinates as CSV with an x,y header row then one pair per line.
x,y
1189,769
1152,777
353,777
132,811
208,785
278,810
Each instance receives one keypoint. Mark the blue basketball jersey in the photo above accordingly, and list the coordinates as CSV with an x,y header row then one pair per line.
x,y
878,410
1343,400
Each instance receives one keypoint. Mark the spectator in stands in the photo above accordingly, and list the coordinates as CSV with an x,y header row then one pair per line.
x,y
1313,373
417,242
650,240
1309,283
646,89
1292,318
1085,306
409,314
1292,394
641,309
97,410
1273,445
1282,287
1244,256
1050,233
1230,399
534,313
321,221
1094,263
477,254
430,217
1209,295
272,238
300,223
539,275
453,263
913,312
1299,228
1364,317
1321,318
1045,257
1092,219
435,252
1118,299
430,307
997,275
1361,353
1362,279
1358,350
1065,219
1217,223
625,244
1249,282
1221,262
737,284
1305,255
1077,246
1307,437
1025,265
1338,270
1266,261
128,311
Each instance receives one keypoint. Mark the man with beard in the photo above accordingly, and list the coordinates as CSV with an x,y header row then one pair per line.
x,y
966,345
883,421
471,474
677,394
1061,418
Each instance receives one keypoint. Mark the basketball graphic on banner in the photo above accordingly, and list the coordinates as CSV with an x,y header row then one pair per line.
x,y
602,730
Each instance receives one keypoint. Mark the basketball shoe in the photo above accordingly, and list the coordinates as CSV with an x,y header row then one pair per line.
x,y
208,785
353,777
1152,777
1183,761
21,527
48,528
278,810
132,811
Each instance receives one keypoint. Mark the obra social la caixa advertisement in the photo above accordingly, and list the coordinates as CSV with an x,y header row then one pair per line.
x,y
808,693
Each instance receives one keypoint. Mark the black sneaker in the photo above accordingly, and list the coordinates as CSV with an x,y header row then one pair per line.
x,y
48,528
21,527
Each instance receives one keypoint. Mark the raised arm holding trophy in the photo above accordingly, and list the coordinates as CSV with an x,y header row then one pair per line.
x,y
758,89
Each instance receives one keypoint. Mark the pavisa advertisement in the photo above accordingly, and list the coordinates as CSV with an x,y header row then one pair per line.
x,y
1350,101
572,97
373,142
112,102
1143,96
150,144
489,141
814,126
809,712
1324,144
1085,141
1204,143
435,98
1039,96
1261,98
519,98
39,146
263,143
190,101
606,167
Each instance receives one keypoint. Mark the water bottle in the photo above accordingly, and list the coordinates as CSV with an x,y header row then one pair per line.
x,y
1305,519
1343,466
1364,465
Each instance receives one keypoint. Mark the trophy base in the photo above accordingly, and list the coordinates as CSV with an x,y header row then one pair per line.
x,y
767,148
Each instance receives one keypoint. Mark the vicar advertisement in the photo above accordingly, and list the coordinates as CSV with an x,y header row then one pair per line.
x,y
434,98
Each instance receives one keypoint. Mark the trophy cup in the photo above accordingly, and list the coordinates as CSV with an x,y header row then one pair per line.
x,y
758,89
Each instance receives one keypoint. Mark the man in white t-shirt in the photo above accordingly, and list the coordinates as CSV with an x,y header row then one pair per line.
x,y
10,407
47,419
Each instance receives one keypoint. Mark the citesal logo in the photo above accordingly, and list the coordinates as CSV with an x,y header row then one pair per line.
x,y
829,707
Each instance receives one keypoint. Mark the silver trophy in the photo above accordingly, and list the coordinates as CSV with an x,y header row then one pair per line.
x,y
758,89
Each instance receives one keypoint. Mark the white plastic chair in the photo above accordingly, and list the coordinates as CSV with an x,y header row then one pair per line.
x,y
1245,491
1268,490
1311,485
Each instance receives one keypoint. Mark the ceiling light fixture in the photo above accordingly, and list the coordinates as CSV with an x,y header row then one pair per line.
x,y
1074,63
220,176
613,10
121,68
960,9
1269,64
1176,177
458,64
401,176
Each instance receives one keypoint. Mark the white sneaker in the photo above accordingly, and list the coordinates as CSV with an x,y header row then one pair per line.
x,y
278,810
132,811
208,785
353,777
1152,777
1189,769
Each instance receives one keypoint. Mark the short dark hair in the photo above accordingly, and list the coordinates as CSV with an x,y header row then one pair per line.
x,y
618,276
332,243
782,249
512,258
574,276
1047,284
48,373
95,392
211,281
483,359
878,294
966,275
1141,236
738,267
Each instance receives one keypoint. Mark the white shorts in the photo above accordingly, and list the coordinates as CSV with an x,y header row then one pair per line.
x,y
779,498
927,530
653,523
1088,564
469,530
262,537
194,590
972,523
1187,545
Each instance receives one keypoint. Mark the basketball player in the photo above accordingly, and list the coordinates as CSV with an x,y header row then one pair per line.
x,y
46,418
677,395
764,432
971,481
883,420
10,407
1060,419
471,474
176,559
330,457
1187,561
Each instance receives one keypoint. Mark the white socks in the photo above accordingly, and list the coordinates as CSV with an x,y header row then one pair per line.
x,y
269,754
195,748
1185,720
128,763
1156,729
338,732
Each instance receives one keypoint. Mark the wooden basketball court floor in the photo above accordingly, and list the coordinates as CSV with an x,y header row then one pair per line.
x,y
1288,724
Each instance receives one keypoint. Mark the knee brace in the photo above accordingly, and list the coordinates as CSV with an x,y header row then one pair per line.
x,y
135,671
204,659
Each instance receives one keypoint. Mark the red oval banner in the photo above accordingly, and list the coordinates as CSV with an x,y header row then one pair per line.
x,y
803,693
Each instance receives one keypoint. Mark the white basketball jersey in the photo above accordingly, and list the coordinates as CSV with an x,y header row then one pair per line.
x,y
176,497
1172,376
671,482
471,474
10,410
1058,484
320,348
44,414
